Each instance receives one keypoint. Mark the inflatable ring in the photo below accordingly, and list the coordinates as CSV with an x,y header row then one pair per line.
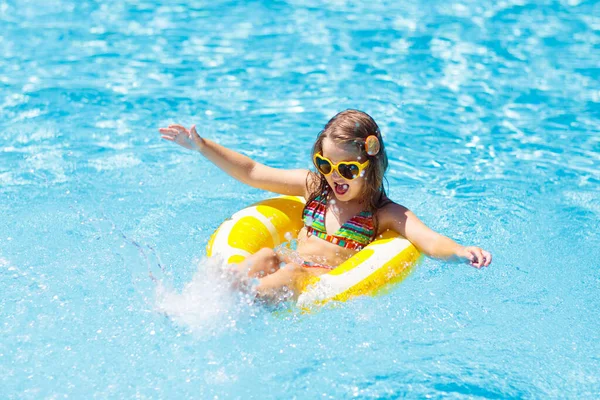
x,y
268,223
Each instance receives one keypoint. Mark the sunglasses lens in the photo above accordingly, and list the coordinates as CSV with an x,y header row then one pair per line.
x,y
323,166
348,171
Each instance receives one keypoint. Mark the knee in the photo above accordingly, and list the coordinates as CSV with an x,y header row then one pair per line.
x,y
269,258
263,262
266,253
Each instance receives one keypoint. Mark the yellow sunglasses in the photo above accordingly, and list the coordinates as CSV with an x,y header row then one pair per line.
x,y
346,169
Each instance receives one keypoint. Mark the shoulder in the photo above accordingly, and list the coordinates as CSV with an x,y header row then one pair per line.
x,y
390,214
391,209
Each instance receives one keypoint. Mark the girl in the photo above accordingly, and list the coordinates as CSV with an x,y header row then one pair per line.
x,y
346,207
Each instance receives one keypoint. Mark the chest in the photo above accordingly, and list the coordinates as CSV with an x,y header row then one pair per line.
x,y
335,221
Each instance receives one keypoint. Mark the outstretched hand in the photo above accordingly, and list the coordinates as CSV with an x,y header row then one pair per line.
x,y
477,257
182,136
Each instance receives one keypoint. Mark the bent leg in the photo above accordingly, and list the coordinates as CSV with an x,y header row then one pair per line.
x,y
285,284
259,264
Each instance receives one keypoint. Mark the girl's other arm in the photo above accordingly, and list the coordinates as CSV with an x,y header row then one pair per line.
x,y
406,223
240,167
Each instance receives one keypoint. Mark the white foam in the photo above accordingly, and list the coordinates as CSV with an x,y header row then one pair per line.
x,y
208,304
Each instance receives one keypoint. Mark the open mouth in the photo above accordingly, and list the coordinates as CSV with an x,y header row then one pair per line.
x,y
341,189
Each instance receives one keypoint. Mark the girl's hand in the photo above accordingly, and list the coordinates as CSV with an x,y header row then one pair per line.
x,y
183,137
476,256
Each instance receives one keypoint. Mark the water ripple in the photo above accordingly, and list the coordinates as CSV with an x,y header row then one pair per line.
x,y
490,114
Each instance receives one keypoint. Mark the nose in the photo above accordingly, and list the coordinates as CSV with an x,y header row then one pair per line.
x,y
335,174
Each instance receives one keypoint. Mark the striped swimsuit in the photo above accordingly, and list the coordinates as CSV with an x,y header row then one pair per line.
x,y
355,234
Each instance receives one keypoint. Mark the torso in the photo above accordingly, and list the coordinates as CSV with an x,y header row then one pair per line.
x,y
350,224
328,253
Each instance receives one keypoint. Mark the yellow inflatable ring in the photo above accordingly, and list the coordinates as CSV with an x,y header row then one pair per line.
x,y
268,223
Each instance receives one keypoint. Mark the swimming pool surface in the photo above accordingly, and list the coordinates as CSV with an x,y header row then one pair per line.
x,y
491,115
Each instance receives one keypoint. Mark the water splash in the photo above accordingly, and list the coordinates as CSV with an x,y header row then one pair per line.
x,y
210,303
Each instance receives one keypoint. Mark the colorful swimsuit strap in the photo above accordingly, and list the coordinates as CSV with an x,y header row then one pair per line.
x,y
310,264
354,234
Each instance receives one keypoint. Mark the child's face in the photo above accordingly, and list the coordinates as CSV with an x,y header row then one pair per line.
x,y
344,189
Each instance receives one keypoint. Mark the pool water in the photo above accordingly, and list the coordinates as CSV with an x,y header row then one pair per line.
x,y
491,116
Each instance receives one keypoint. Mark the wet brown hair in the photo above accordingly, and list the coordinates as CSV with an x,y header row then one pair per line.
x,y
352,127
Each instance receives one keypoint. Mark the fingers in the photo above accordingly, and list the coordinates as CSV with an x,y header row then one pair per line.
x,y
479,257
180,130
178,127
484,258
168,132
173,130
474,256
488,258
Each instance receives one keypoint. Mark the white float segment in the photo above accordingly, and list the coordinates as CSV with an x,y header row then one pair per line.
x,y
330,286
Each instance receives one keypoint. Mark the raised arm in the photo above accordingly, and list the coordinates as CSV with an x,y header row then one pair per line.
x,y
428,241
240,167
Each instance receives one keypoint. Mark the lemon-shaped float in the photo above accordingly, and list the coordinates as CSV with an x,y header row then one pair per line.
x,y
371,271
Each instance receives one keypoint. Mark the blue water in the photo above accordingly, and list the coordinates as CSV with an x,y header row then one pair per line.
x,y
491,116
